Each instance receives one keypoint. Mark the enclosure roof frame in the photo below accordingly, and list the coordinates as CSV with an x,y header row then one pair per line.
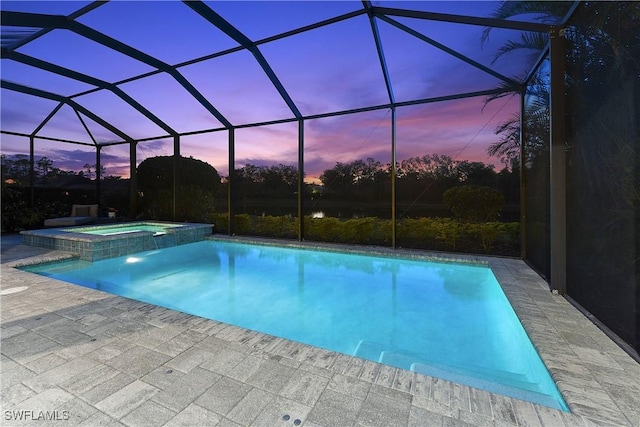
x,y
47,23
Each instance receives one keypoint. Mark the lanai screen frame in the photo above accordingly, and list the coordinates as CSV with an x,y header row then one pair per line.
x,y
554,50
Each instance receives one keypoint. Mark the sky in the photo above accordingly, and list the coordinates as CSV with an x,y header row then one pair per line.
x,y
332,68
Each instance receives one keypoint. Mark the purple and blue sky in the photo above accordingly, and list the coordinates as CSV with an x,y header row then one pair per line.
x,y
332,68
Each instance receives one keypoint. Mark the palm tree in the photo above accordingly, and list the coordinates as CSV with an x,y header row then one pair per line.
x,y
599,44
537,103
546,12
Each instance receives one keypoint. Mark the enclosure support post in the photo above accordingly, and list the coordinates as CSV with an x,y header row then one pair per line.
x,y
393,177
133,181
176,174
300,180
32,172
98,174
523,183
231,183
557,179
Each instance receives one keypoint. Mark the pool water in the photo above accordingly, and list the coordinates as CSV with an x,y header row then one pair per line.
x,y
445,320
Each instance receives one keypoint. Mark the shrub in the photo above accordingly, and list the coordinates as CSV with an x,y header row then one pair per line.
x,y
360,230
445,234
243,224
198,183
220,222
417,230
438,234
16,214
156,173
326,229
447,231
474,203
193,204
275,226
488,233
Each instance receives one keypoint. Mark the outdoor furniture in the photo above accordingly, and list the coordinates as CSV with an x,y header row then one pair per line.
x,y
80,214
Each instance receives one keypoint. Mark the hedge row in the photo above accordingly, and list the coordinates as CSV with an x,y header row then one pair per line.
x,y
442,234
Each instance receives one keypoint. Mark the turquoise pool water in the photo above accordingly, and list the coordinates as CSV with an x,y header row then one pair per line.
x,y
446,320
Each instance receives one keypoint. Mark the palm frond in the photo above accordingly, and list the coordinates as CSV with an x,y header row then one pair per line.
x,y
508,90
534,42
508,146
547,11
10,37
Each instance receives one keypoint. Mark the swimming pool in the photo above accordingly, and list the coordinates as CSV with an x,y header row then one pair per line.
x,y
446,320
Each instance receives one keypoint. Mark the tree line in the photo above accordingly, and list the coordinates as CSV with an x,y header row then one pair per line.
x,y
423,177
17,168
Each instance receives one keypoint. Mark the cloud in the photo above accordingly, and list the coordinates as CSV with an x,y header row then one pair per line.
x,y
74,156
14,118
457,128
157,145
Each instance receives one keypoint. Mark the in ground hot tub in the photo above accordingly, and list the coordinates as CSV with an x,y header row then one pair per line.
x,y
157,228
107,241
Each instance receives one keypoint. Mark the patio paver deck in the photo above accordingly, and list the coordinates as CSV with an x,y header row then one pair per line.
x,y
91,359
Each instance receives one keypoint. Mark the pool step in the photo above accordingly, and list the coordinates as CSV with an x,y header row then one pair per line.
x,y
506,383
369,350
378,352
411,362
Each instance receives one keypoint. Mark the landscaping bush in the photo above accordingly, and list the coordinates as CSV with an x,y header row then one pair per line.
x,y
445,234
418,230
16,213
192,205
438,234
220,222
198,183
244,225
270,226
276,226
360,230
448,232
327,229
